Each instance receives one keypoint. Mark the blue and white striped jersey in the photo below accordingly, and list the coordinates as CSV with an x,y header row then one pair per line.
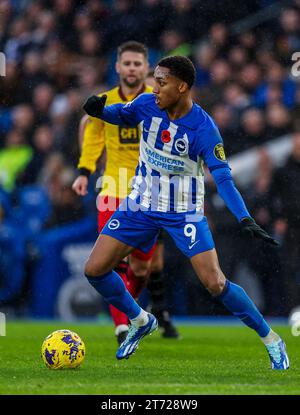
x,y
169,175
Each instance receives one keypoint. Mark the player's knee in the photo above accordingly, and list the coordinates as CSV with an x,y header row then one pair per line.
x,y
93,269
215,283
157,267
140,269
157,264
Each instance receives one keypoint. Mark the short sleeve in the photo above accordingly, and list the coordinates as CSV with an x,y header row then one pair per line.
x,y
210,145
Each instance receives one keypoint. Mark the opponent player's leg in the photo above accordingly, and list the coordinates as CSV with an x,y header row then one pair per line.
x,y
138,271
236,300
156,288
147,268
134,276
134,273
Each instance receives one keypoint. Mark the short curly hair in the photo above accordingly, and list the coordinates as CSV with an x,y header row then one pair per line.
x,y
181,67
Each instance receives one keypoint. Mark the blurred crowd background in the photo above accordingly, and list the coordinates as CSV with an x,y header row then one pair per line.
x,y
60,52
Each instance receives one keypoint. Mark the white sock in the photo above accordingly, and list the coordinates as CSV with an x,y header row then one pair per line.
x,y
141,319
120,328
270,338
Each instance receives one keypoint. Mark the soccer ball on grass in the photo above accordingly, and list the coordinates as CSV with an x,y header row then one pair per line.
x,y
63,349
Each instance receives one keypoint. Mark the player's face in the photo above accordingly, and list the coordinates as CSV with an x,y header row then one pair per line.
x,y
166,88
132,68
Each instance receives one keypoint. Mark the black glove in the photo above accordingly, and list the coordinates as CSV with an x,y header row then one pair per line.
x,y
250,228
82,171
94,105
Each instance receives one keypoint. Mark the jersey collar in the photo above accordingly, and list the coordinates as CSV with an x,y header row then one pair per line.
x,y
124,98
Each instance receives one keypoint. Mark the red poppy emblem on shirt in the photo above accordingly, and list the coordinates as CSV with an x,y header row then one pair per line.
x,y
165,136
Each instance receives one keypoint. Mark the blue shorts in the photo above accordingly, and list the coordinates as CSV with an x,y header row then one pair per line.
x,y
140,229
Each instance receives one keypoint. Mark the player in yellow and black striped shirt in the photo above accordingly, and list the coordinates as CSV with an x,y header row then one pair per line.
x,y
122,150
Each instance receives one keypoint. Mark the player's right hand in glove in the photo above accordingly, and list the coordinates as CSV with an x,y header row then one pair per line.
x,y
250,228
94,105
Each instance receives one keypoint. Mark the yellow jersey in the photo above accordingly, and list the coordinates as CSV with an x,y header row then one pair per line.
x,y
121,144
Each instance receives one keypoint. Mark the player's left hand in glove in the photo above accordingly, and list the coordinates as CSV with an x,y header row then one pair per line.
x,y
94,105
250,228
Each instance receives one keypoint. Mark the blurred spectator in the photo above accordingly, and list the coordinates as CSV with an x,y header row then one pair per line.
x,y
33,73
223,226
295,113
65,116
173,42
12,266
264,56
236,97
220,72
183,16
286,211
66,205
248,41
13,158
5,17
276,75
289,21
152,16
88,79
253,129
278,120
124,25
259,194
262,258
83,23
90,43
219,38
99,11
23,119
43,143
204,55
59,113
45,23
33,10
64,10
238,57
43,96
227,11
223,115
19,39
220,75
53,166
288,40
250,77
11,86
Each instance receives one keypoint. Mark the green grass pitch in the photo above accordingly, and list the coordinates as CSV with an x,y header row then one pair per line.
x,y
206,360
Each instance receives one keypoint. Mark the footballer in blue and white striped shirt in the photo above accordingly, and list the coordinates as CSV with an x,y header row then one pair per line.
x,y
177,138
